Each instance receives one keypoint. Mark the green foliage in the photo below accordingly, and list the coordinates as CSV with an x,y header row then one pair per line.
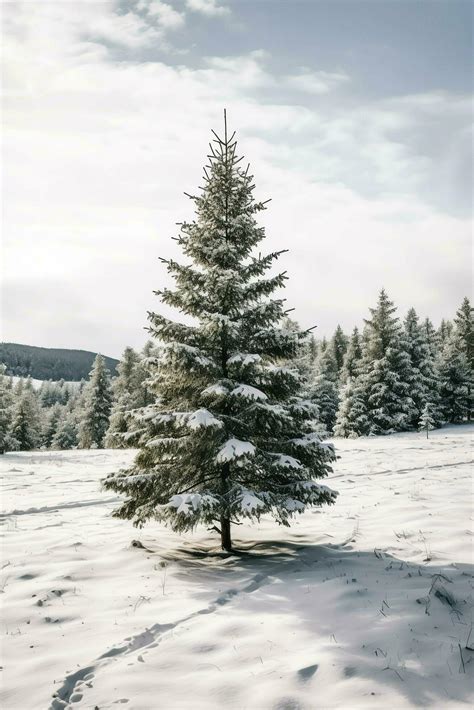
x,y
228,436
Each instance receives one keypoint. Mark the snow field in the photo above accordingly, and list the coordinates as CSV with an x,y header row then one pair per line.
x,y
367,604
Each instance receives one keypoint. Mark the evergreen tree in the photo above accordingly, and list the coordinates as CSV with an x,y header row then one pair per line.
x,y
352,418
339,344
425,382
455,382
464,328
352,357
97,406
6,402
228,437
431,338
323,389
444,332
426,422
126,390
26,426
52,423
66,434
385,375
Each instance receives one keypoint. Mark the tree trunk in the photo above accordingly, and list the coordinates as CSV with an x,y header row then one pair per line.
x,y
226,540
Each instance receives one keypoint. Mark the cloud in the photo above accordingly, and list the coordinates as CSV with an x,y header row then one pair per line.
x,y
167,16
97,153
211,8
316,82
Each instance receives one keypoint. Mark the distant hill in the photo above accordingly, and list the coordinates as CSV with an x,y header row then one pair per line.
x,y
49,363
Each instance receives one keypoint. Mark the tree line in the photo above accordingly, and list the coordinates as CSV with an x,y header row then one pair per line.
x,y
49,363
390,376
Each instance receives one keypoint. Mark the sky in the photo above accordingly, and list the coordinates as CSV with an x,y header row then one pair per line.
x,y
355,116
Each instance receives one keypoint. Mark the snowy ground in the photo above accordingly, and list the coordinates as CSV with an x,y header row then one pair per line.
x,y
364,605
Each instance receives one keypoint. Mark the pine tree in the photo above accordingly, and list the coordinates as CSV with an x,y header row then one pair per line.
x,y
431,338
426,422
126,391
464,330
352,357
66,434
352,418
228,437
6,413
52,424
339,344
455,382
386,375
26,426
97,406
444,332
425,381
323,389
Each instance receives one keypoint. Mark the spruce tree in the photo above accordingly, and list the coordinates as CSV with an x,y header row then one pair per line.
x,y
456,382
228,436
323,389
26,425
126,391
352,417
66,433
386,375
352,357
51,425
97,406
425,381
339,344
444,332
464,329
426,421
6,413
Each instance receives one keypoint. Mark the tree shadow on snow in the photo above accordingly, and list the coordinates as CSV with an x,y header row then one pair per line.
x,y
379,617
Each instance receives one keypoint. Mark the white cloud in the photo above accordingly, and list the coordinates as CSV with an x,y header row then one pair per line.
x,y
166,14
97,154
319,82
211,8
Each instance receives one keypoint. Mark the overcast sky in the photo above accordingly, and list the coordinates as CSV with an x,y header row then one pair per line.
x,y
355,117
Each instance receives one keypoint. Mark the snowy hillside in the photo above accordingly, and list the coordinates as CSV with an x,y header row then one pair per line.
x,y
364,605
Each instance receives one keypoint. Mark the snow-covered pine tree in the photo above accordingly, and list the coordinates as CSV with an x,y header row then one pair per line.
x,y
27,421
97,406
323,388
426,421
351,418
6,412
126,391
444,332
66,434
53,417
425,381
464,329
431,337
456,381
339,344
352,358
386,373
228,437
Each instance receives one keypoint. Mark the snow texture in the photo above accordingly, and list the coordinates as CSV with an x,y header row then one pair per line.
x,y
235,449
366,604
